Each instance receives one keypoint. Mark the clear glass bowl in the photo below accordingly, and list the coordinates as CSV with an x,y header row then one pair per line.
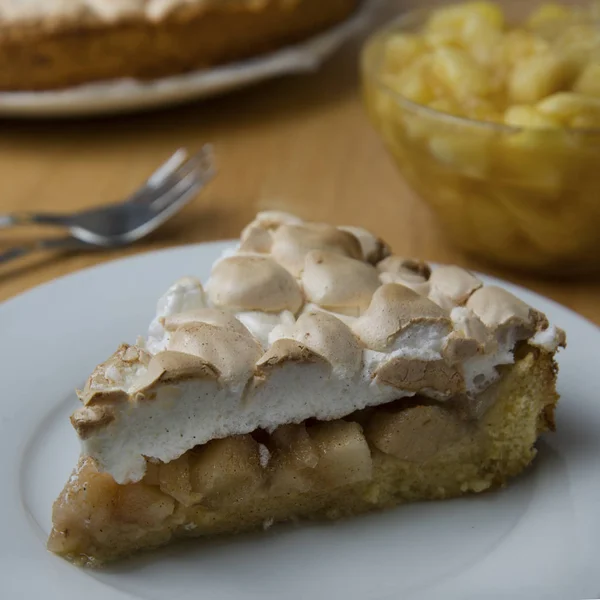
x,y
520,197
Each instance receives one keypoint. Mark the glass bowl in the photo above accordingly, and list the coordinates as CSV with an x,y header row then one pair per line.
x,y
523,197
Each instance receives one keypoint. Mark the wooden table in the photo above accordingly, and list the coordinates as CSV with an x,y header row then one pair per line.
x,y
301,144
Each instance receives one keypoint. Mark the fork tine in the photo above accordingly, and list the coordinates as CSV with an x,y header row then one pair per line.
x,y
173,200
171,195
199,166
206,156
203,161
176,167
169,167
146,192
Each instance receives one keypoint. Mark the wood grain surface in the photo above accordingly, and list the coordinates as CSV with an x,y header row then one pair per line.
x,y
299,143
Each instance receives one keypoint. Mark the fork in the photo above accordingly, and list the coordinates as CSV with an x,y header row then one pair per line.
x,y
163,194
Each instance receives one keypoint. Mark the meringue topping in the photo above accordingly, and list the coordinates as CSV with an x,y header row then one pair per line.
x,y
258,235
498,308
113,379
374,249
232,354
416,271
297,323
246,282
338,283
326,336
210,316
291,244
393,308
451,286
417,375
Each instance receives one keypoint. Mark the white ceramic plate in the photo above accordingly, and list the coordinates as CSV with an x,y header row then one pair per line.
x,y
537,539
129,95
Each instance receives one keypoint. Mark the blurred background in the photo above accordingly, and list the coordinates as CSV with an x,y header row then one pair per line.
x,y
302,143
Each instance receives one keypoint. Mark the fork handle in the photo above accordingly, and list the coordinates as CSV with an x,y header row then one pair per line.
x,y
64,243
23,218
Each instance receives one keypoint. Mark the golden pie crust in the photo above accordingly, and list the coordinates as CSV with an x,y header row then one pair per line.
x,y
53,50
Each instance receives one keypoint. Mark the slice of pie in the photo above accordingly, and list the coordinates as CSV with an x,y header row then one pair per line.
x,y
47,44
314,376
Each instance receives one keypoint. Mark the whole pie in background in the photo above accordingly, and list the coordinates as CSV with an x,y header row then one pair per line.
x,y
51,44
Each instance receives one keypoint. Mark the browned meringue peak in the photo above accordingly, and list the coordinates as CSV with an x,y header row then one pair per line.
x,y
110,380
284,351
327,336
272,219
470,336
338,283
498,308
411,269
87,419
405,271
212,316
458,348
452,286
173,366
415,375
257,236
232,354
291,244
422,288
374,249
393,308
245,282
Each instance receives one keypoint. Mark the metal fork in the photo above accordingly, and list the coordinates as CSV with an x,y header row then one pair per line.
x,y
163,194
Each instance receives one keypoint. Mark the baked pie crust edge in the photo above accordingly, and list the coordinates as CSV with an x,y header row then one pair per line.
x,y
51,53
